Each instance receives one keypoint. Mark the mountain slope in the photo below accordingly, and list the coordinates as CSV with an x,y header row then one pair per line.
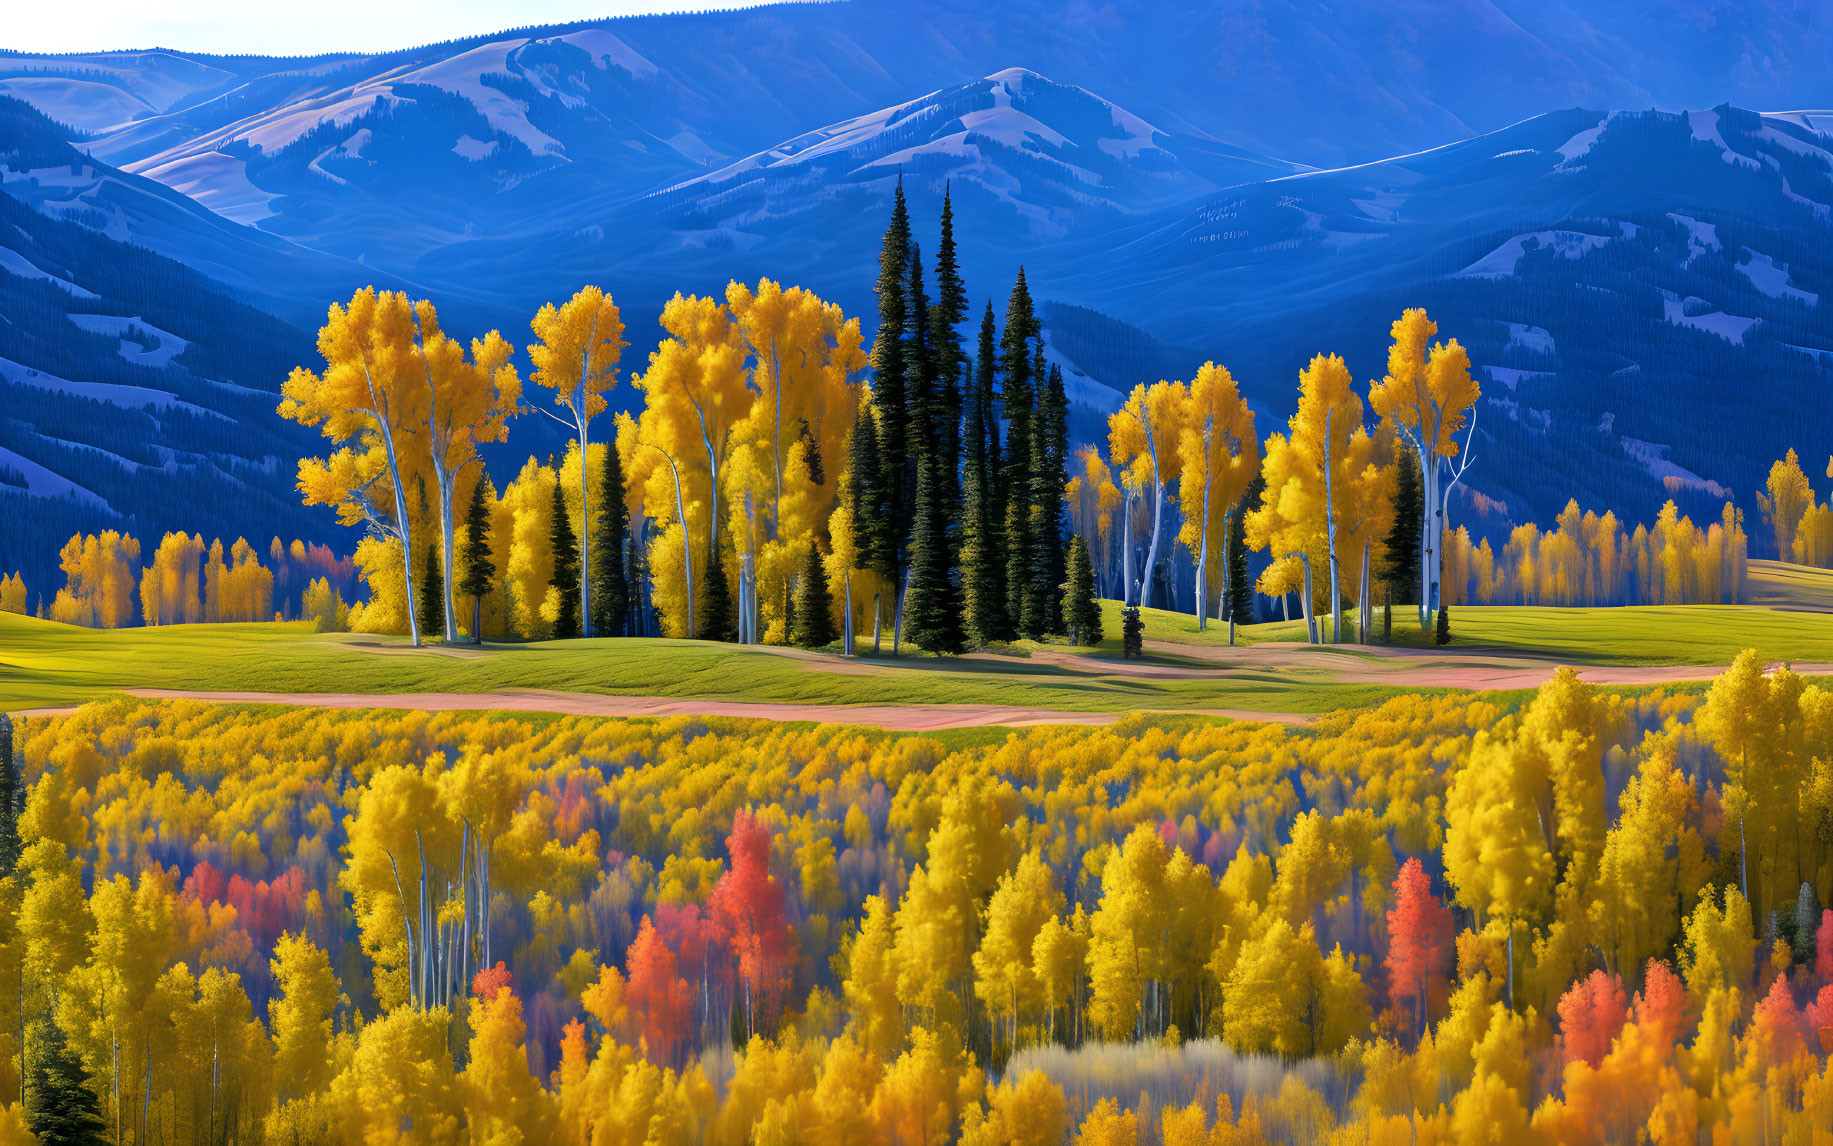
x,y
1315,81
1645,293
135,394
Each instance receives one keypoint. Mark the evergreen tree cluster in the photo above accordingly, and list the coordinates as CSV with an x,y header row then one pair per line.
x,y
959,463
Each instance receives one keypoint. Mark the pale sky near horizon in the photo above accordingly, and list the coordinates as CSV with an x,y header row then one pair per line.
x,y
295,27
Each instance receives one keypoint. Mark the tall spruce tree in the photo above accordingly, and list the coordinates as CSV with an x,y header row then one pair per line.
x,y
814,604
1400,552
1081,610
934,612
983,510
474,560
1238,593
432,610
891,394
12,799
565,579
60,1107
716,619
933,602
1049,517
1019,402
610,580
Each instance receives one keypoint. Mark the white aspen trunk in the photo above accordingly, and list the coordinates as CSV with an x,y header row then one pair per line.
x,y
1226,606
846,638
1126,549
407,924
1428,571
878,623
1158,513
1311,623
1365,610
585,521
1330,534
401,529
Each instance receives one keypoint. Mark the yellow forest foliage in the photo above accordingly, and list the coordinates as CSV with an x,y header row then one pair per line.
x,y
480,925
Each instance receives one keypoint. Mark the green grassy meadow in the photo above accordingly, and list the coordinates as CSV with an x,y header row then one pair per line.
x,y
46,664
42,663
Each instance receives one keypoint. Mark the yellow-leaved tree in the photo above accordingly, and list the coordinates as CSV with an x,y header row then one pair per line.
x,y
470,400
373,395
1312,473
1143,440
576,352
1219,455
1429,394
804,357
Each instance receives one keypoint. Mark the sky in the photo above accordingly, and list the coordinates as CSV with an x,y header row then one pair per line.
x,y
293,27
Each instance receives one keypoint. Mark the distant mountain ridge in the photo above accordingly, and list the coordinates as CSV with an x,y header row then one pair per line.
x,y
1642,292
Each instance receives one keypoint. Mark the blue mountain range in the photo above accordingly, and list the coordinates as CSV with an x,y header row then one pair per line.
x,y
1642,290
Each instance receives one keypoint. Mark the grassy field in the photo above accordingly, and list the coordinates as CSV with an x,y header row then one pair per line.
x,y
43,664
1627,635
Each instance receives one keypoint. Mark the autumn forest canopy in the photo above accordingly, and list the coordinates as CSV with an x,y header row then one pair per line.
x,y
1566,914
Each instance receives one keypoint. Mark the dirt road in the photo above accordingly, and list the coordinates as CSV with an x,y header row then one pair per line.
x,y
893,717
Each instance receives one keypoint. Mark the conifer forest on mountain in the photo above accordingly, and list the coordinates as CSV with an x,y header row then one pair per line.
x,y
801,575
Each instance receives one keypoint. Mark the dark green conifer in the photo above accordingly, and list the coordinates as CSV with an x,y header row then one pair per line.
x,y
1132,632
1443,635
432,610
891,384
983,510
1020,402
610,581
474,558
1238,593
1049,519
60,1107
814,604
565,579
933,615
1081,610
716,619
1399,570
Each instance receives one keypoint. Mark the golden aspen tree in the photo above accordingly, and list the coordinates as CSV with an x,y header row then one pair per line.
x,y
918,1101
1497,853
12,593
1125,959
1093,501
469,402
99,580
1108,1125
1059,963
169,586
659,456
1220,456
871,982
502,1100
1429,394
1029,1112
1025,899
576,352
300,1017
1143,436
373,392
695,392
1789,497
528,568
804,355
1307,486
